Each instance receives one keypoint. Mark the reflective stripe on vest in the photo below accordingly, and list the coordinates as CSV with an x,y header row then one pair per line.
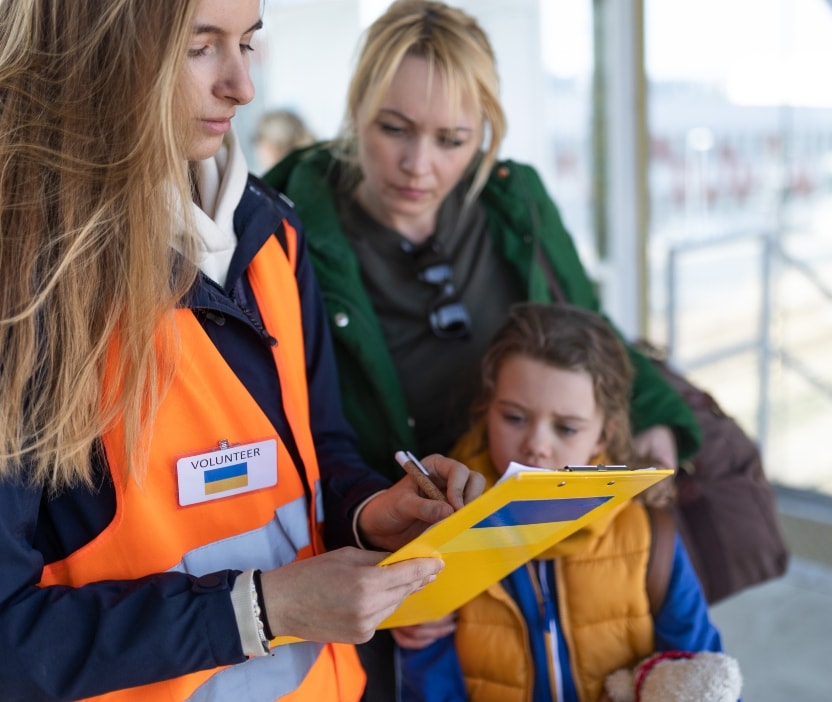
x,y
276,543
150,533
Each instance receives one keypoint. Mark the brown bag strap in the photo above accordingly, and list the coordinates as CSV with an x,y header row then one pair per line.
x,y
555,289
660,560
552,281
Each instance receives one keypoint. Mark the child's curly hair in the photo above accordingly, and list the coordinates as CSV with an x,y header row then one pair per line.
x,y
570,338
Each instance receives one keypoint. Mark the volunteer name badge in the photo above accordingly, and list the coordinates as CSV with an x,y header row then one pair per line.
x,y
229,470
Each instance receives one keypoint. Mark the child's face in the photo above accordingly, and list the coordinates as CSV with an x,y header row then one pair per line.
x,y
543,416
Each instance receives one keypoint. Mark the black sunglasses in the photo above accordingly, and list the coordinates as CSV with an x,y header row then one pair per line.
x,y
447,314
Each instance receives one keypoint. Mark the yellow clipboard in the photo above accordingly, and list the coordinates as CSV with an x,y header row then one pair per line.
x,y
507,526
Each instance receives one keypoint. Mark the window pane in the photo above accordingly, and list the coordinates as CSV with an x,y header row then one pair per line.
x,y
740,114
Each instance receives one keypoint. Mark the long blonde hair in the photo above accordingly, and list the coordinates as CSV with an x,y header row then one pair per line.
x,y
92,181
450,40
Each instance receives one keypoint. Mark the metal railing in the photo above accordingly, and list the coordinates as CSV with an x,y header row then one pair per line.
x,y
772,254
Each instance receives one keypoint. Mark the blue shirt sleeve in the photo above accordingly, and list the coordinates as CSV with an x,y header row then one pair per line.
x,y
682,623
431,674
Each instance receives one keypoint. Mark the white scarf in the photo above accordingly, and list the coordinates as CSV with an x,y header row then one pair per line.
x,y
221,181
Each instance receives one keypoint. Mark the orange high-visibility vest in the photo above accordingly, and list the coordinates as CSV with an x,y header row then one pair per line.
x,y
264,528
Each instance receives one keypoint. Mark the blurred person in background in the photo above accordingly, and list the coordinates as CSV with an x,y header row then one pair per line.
x,y
279,132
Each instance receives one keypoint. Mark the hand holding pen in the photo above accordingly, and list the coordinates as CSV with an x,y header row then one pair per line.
x,y
402,512
414,467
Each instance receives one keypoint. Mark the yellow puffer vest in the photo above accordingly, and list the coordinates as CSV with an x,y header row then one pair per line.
x,y
602,601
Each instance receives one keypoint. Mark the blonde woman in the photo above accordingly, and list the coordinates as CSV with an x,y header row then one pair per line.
x,y
422,239
170,431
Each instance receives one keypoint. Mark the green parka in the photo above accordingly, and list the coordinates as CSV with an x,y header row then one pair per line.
x,y
521,216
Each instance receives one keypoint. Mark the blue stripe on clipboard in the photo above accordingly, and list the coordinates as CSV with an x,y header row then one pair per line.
x,y
522,512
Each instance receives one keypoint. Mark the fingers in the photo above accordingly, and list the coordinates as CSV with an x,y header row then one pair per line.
x,y
380,595
422,635
461,484
659,443
341,595
402,512
662,494
411,575
431,511
474,487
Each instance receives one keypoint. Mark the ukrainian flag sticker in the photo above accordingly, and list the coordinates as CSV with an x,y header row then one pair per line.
x,y
227,471
226,478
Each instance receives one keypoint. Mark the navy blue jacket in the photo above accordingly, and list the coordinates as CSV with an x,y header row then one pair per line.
x,y
64,643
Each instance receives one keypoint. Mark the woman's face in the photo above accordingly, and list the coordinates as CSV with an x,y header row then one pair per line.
x,y
216,78
543,416
415,149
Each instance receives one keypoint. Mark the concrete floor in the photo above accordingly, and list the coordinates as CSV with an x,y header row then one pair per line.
x,y
781,631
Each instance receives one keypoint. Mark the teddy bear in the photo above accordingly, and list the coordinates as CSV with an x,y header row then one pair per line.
x,y
678,676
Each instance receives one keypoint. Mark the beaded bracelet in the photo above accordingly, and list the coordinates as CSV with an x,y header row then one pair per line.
x,y
259,610
261,602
